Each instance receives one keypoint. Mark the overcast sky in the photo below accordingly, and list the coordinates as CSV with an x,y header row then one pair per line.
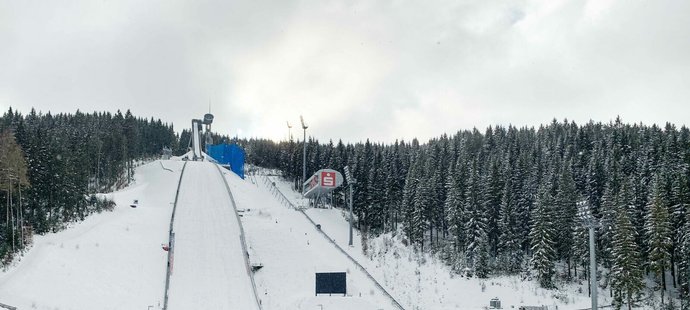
x,y
355,69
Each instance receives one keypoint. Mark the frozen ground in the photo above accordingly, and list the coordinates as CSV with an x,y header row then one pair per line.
x,y
112,260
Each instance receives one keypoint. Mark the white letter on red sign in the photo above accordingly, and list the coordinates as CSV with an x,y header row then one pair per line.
x,y
328,179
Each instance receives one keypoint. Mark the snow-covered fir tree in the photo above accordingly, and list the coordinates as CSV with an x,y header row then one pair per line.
x,y
658,232
68,158
454,206
475,225
590,161
542,239
626,269
566,211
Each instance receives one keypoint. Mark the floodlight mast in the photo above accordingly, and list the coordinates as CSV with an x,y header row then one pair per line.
x,y
304,153
289,131
588,220
351,182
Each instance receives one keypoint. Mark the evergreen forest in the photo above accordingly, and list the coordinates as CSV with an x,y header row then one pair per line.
x,y
52,165
499,202
505,201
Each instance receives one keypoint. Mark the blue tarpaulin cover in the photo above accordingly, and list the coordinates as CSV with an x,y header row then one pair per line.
x,y
228,154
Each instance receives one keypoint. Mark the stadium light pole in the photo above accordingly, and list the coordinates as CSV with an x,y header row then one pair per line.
x,y
289,131
304,153
350,182
588,220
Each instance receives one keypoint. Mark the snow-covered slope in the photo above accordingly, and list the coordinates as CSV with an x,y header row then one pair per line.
x,y
421,281
112,260
291,251
209,270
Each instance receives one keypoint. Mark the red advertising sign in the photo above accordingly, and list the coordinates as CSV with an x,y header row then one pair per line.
x,y
322,182
328,179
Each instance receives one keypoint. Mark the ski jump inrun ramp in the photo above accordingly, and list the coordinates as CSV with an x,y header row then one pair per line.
x,y
208,268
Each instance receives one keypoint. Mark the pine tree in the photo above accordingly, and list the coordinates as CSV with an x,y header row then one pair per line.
x,y
433,195
626,270
658,233
492,190
374,196
542,239
413,215
566,199
607,221
13,175
454,206
475,225
481,254
684,266
509,247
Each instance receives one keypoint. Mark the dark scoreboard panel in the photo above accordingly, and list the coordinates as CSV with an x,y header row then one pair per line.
x,y
331,283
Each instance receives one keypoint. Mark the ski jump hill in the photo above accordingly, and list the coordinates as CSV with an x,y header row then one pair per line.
x,y
236,244
209,269
117,260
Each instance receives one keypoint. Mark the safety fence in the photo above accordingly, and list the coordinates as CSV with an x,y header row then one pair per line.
x,y
242,238
171,241
278,194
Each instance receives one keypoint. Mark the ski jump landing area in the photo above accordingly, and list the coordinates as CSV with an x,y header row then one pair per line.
x,y
209,270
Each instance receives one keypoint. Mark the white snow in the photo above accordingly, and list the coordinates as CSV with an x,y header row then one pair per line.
x,y
291,251
422,281
112,260
208,270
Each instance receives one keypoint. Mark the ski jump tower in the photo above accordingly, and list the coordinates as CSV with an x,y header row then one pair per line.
x,y
197,132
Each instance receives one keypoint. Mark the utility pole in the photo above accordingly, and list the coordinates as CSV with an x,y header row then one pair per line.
x,y
351,182
304,153
589,221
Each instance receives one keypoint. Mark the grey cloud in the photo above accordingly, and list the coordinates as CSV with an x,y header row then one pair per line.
x,y
356,70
